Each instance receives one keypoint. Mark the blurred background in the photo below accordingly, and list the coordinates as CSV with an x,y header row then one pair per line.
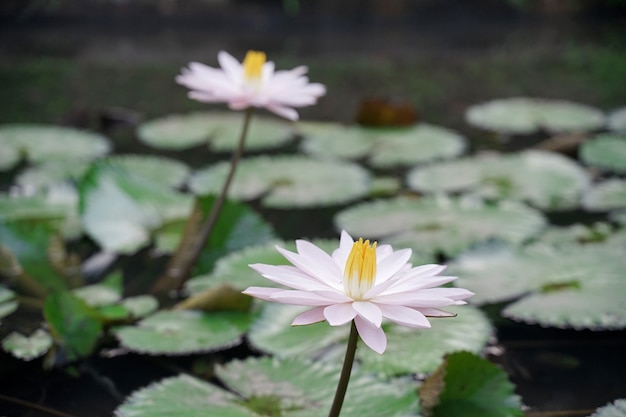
x,y
92,62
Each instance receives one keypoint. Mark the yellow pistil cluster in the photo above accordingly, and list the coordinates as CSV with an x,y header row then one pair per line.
x,y
360,271
253,65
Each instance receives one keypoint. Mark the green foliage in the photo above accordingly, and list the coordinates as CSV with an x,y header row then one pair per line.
x,y
287,181
120,209
440,225
184,332
469,386
74,325
27,347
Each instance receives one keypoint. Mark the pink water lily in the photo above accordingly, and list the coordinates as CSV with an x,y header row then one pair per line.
x,y
252,83
362,282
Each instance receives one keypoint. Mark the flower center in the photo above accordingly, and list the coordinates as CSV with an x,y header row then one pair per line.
x,y
253,65
360,271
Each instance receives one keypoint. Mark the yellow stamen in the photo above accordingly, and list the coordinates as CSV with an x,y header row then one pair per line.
x,y
253,64
360,271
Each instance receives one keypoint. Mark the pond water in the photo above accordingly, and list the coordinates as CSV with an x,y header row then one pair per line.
x,y
111,65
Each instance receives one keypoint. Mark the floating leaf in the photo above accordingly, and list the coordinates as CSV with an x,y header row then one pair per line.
x,y
573,235
383,148
184,332
141,305
7,308
296,388
51,172
521,115
7,305
616,409
472,387
606,151
30,208
234,269
423,143
577,286
272,332
617,120
73,324
182,396
28,244
607,195
120,210
221,130
408,350
106,293
336,141
9,158
27,347
287,181
44,143
545,179
440,224
420,351
162,170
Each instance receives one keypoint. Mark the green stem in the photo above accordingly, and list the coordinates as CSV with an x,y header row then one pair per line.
x,y
342,385
197,232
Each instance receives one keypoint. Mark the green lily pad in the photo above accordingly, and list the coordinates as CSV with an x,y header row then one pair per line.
x,y
408,350
162,170
544,179
287,181
141,305
470,386
28,244
417,145
575,286
607,195
108,292
121,210
616,409
9,158
522,115
51,172
273,333
383,148
334,140
270,389
7,308
233,268
296,388
182,396
184,332
606,151
73,324
30,208
7,303
220,130
45,142
574,235
27,347
57,205
421,351
447,225
617,120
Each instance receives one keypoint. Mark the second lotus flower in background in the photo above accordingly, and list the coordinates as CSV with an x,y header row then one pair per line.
x,y
252,83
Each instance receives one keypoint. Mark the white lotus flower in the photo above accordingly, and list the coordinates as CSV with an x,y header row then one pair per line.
x,y
252,83
359,282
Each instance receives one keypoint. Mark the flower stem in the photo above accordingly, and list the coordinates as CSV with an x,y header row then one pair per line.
x,y
198,231
342,385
